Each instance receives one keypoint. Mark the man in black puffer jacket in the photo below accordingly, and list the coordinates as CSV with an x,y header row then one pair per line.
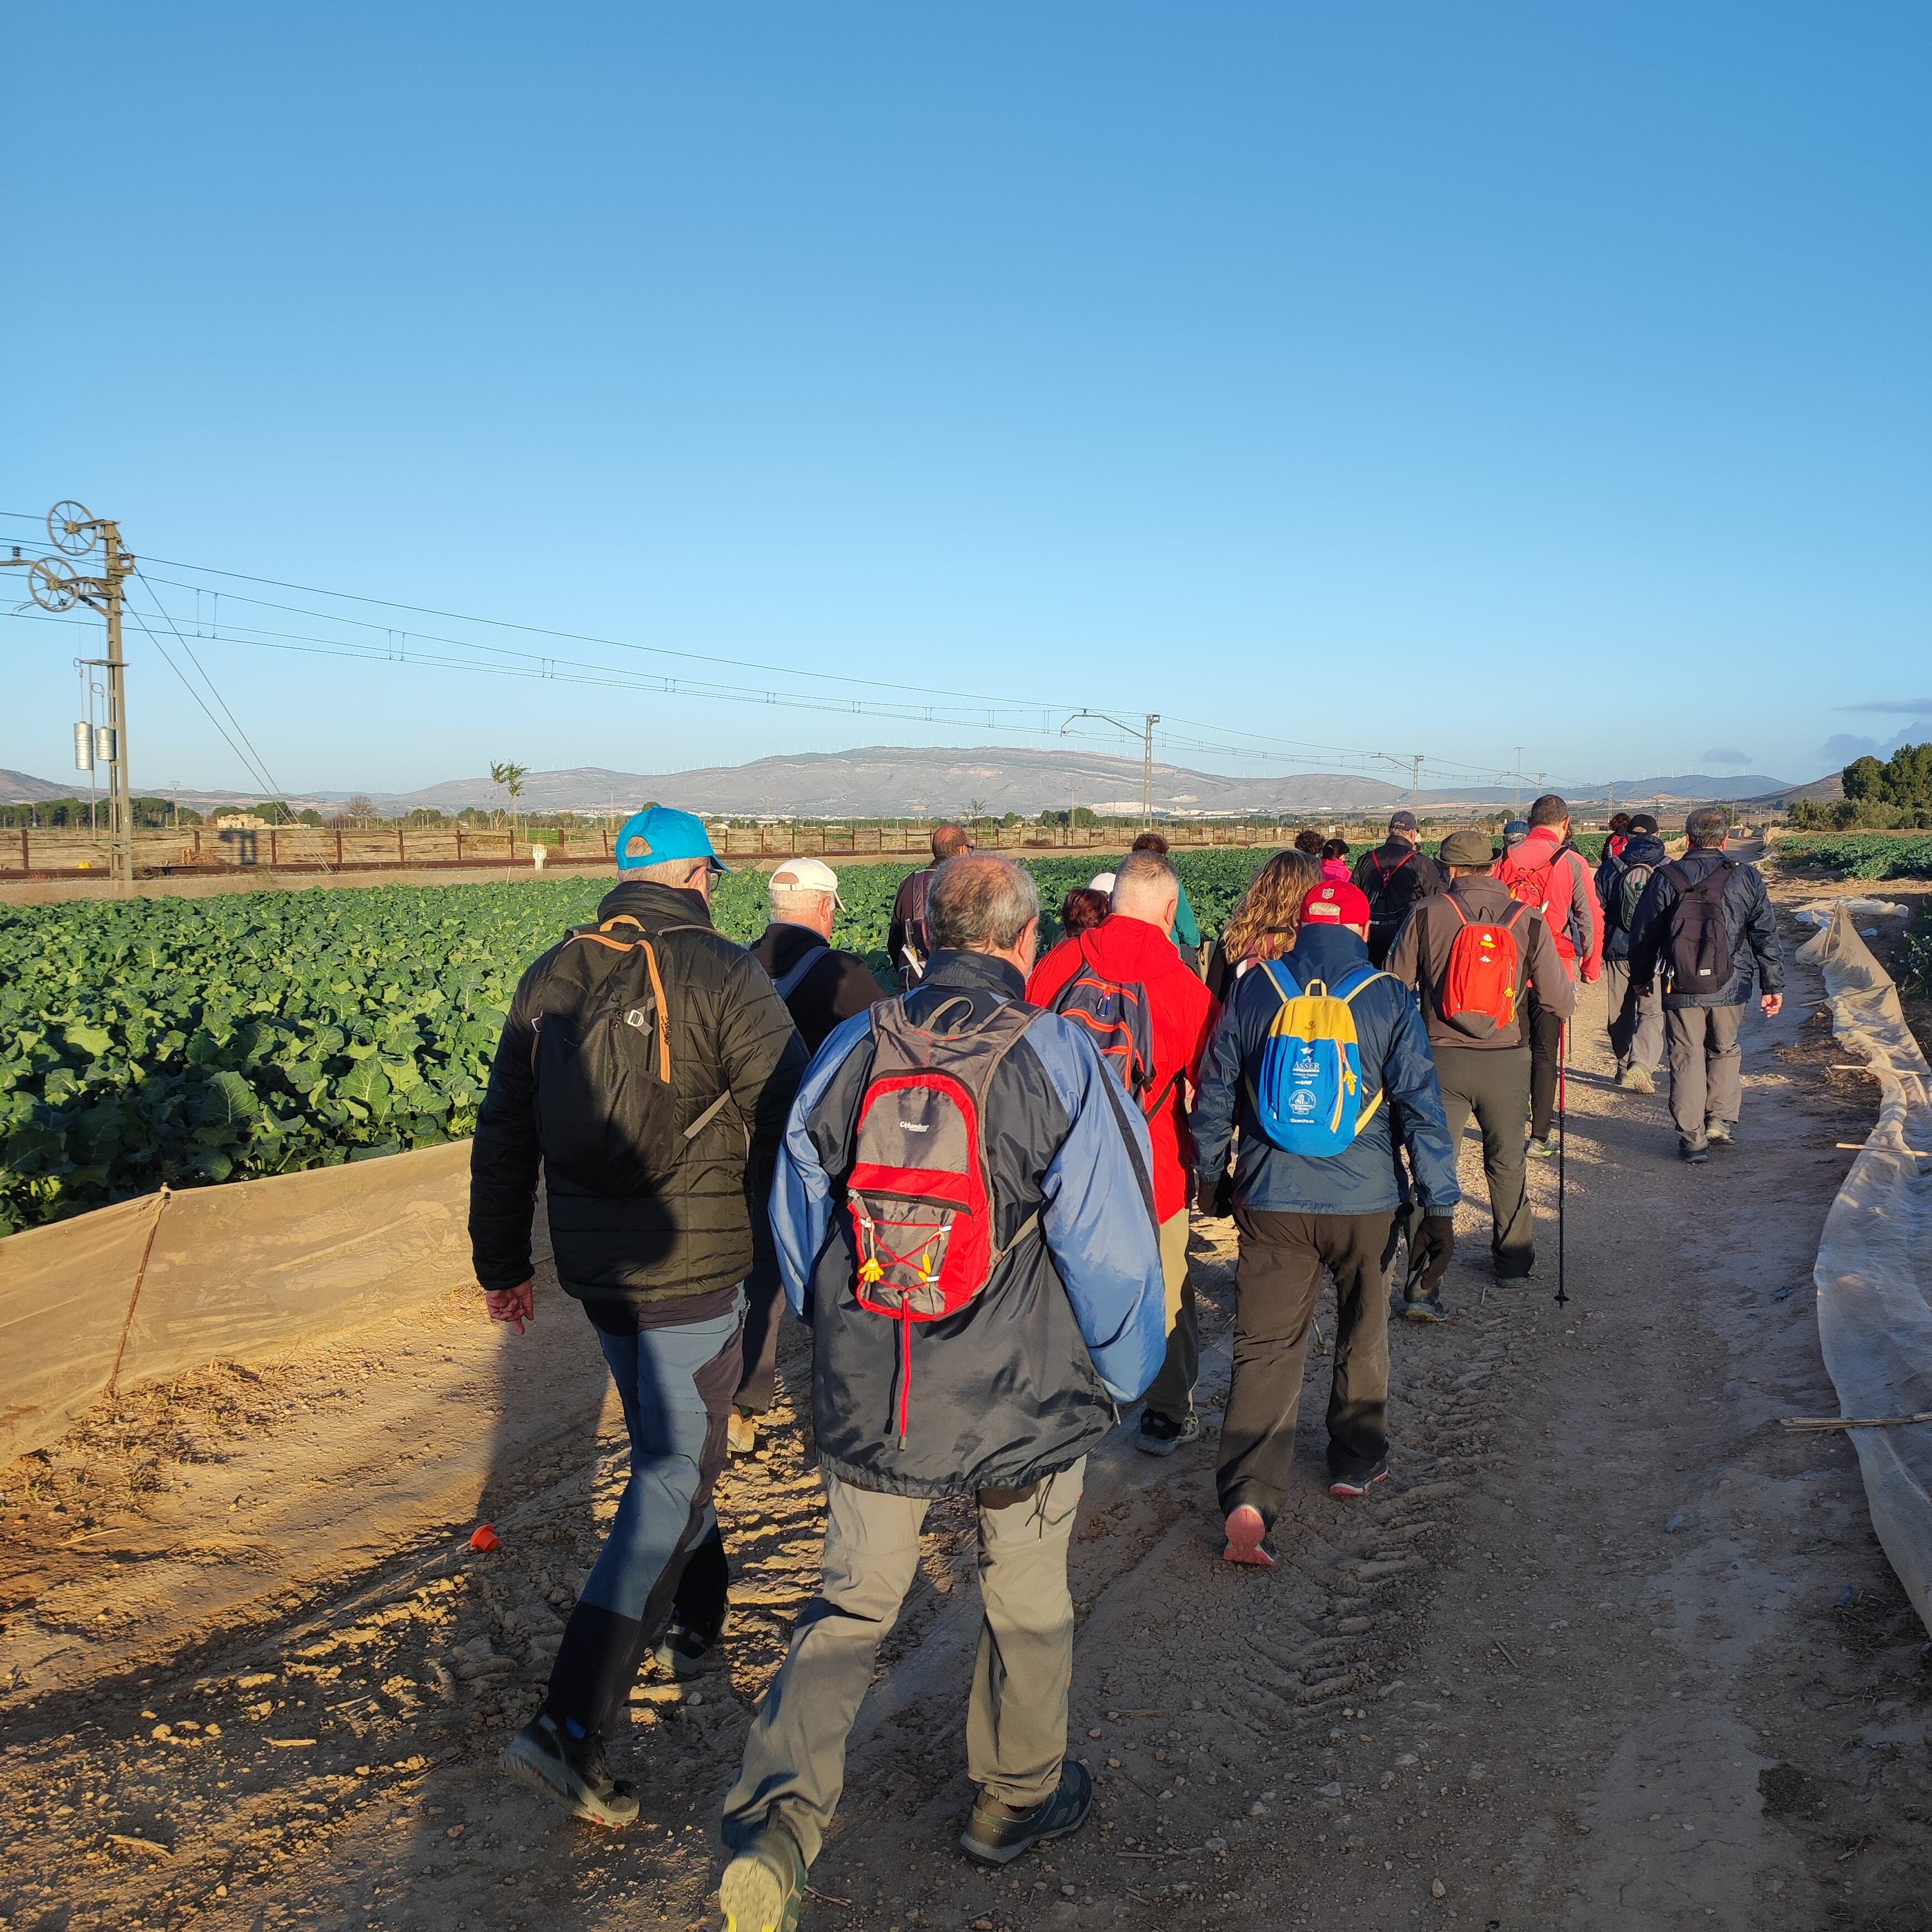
x,y
1706,1062
1637,1020
647,1065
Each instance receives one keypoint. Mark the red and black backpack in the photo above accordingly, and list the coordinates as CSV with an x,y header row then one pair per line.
x,y
920,1192
1117,1017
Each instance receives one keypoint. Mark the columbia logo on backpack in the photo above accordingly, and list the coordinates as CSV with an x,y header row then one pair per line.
x,y
1307,1089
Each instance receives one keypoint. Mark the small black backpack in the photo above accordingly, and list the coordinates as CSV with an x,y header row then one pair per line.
x,y
1390,893
1699,943
607,1096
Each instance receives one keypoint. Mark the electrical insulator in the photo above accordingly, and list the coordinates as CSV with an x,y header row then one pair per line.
x,y
83,747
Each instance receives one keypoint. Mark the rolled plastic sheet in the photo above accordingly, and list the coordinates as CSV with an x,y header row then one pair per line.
x,y
1874,1268
172,1281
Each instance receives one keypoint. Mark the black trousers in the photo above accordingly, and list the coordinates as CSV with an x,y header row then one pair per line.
x,y
1545,1045
1277,1283
764,1291
1492,1083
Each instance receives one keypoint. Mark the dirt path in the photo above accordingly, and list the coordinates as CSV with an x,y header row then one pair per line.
x,y
1612,1650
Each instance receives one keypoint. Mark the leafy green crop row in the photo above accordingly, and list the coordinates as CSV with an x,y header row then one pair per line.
x,y
1861,855
185,1041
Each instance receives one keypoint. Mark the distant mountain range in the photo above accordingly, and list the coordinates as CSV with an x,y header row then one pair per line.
x,y
883,780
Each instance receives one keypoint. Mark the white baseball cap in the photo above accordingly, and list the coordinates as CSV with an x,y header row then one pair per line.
x,y
1101,882
808,875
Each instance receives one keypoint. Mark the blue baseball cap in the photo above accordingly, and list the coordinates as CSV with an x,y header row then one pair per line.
x,y
657,836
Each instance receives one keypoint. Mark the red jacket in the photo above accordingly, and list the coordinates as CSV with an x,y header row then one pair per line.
x,y
1560,884
1183,1014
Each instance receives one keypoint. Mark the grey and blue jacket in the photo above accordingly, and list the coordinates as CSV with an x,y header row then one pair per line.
x,y
1396,1060
1022,1382
1640,848
1750,923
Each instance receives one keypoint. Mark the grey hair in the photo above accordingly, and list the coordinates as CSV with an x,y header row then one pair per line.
x,y
669,872
1144,871
1708,825
791,898
981,904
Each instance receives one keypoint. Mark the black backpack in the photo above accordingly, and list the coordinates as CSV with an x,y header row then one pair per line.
x,y
1389,895
1631,880
606,1092
1699,943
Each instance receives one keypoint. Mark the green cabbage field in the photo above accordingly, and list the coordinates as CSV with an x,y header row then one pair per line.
x,y
1861,855
185,1041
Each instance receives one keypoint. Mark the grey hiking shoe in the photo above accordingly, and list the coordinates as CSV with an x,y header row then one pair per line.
x,y
685,1650
1160,1435
1544,1149
763,1886
1424,1308
1721,1133
1637,1080
1696,1155
997,1833
570,1770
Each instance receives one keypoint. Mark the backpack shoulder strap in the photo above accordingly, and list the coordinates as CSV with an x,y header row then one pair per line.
x,y
1291,991
1368,979
794,980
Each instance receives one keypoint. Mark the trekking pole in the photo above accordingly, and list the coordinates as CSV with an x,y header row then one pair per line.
x,y
1562,1146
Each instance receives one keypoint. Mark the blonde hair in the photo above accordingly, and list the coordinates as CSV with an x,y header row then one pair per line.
x,y
1263,925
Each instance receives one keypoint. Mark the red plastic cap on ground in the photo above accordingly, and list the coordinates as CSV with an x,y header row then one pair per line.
x,y
484,1537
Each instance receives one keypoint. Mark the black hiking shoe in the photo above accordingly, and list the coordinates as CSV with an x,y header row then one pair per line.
x,y
1359,1485
997,1834
1696,1155
571,1771
1424,1308
685,1650
1161,1436
764,1886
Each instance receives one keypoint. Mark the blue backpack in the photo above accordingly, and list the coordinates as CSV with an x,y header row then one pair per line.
x,y
1307,1090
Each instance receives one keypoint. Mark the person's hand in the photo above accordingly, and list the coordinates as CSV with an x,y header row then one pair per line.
x,y
1643,989
515,1306
1214,1197
1774,1005
1436,1246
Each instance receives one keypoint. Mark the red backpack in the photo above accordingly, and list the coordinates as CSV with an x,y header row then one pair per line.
x,y
1118,1019
1484,974
920,1192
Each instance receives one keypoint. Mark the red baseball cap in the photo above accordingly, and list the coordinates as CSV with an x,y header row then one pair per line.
x,y
1336,905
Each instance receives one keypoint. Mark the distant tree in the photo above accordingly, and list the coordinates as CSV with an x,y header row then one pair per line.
x,y
308,815
511,777
274,812
1085,815
1905,779
362,810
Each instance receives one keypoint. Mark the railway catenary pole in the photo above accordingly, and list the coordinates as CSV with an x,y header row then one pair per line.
x,y
55,587
1148,721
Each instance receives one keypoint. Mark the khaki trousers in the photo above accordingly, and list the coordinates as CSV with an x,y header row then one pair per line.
x,y
794,1766
1171,1393
1706,1068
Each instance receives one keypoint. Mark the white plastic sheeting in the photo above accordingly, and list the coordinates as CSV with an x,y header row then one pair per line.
x,y
1874,1270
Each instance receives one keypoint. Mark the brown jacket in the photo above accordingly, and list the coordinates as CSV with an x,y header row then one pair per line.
x,y
1420,958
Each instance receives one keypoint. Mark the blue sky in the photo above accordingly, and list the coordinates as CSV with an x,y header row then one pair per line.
x,y
1408,378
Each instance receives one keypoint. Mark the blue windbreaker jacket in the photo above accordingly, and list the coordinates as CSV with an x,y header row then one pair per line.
x,y
1022,1382
1396,1057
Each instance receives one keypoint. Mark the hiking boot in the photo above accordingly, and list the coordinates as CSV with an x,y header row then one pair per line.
x,y
997,1834
684,1651
1542,1149
571,1771
741,1432
1637,1080
1161,1436
1696,1155
763,1886
1512,1281
1720,1133
1359,1486
1244,1530
1424,1308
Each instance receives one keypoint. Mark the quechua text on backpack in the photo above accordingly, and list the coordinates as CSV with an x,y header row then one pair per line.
x,y
1698,944
607,1096
1116,1015
1307,1089
1483,977
919,1194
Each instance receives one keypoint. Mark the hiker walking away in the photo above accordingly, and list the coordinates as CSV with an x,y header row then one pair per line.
x,y
1313,1053
964,1206
1392,877
1515,831
1546,870
645,1068
908,942
1636,1020
1186,934
1335,860
1310,841
1082,910
1473,953
1619,831
1704,932
1143,1006
1264,924
820,985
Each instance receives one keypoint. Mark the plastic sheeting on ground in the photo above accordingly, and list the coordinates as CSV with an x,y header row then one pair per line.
x,y
1874,1268
155,1287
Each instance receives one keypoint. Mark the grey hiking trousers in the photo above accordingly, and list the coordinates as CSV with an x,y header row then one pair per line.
x,y
1636,1019
794,1765
1706,1068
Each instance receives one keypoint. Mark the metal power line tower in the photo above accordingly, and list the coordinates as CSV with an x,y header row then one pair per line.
x,y
56,586
1148,721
